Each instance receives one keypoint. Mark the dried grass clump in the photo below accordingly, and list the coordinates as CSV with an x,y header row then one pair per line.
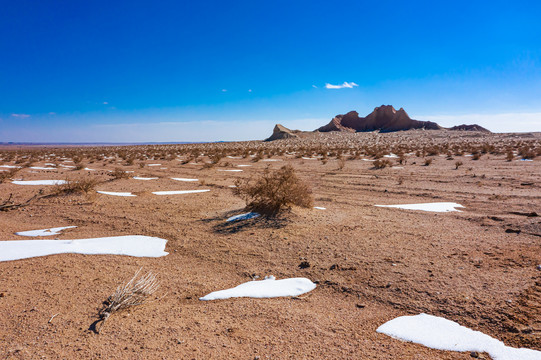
x,y
118,174
381,163
76,186
135,292
274,191
6,175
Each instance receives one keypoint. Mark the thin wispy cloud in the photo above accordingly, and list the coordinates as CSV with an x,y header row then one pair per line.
x,y
224,90
21,116
345,85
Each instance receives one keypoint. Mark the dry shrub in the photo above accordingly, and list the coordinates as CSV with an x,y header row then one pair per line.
x,y
6,175
458,164
381,163
510,156
274,191
135,292
428,162
118,173
83,185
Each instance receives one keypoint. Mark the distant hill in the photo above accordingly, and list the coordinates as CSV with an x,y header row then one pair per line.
x,y
384,118
473,127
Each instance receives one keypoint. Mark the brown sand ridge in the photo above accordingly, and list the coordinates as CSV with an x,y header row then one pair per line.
x,y
477,267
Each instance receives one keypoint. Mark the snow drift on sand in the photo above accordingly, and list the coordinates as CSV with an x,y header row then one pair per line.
x,y
178,192
434,207
114,193
268,288
442,334
44,232
185,179
144,178
132,245
39,182
245,216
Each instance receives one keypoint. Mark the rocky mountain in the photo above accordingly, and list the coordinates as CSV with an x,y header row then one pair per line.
x,y
473,127
281,132
384,118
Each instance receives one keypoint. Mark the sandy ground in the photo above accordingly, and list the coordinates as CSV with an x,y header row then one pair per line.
x,y
476,267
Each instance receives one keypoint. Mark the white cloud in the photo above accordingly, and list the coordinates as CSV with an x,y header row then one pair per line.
x,y
249,90
21,116
503,122
224,90
105,103
348,85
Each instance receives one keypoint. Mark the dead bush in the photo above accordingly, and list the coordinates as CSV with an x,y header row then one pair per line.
x,y
135,292
118,174
6,175
274,191
381,163
83,185
458,164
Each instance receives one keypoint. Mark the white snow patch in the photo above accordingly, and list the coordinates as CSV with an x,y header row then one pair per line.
x,y
308,158
319,208
244,216
67,166
39,182
144,178
154,164
272,160
367,160
178,192
42,168
232,170
234,157
10,166
434,207
268,288
397,167
184,179
442,334
243,165
391,155
88,169
131,245
44,232
525,160
114,193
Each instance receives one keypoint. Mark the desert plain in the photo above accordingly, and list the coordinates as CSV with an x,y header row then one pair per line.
x,y
479,266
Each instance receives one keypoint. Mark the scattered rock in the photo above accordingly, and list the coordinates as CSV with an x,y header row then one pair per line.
x,y
304,265
512,231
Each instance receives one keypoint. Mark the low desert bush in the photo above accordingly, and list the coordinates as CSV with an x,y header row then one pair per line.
x,y
510,156
6,175
83,185
428,162
458,164
381,163
118,173
135,292
274,191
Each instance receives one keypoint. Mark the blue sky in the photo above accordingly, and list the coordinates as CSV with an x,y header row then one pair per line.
x,y
125,71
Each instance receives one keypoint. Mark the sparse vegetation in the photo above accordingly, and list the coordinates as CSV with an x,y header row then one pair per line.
x,y
381,163
458,164
135,292
274,191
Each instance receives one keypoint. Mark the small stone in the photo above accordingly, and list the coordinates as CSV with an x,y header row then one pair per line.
x,y
474,354
304,265
538,267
